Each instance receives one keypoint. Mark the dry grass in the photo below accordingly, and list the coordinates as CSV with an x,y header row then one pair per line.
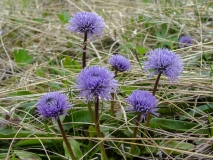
x,y
35,27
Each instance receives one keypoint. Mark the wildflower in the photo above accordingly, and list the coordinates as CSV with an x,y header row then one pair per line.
x,y
88,22
96,82
119,62
164,61
53,104
185,41
143,102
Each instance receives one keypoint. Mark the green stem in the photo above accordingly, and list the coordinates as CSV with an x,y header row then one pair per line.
x,y
97,127
65,139
134,135
84,50
91,112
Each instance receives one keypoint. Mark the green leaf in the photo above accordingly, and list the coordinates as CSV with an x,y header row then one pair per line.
x,y
28,104
210,125
198,111
208,59
22,57
79,118
38,19
162,32
40,72
34,142
75,147
13,156
54,85
71,63
141,50
3,155
130,45
129,89
136,151
149,150
176,125
177,145
92,131
25,3
127,46
19,93
63,17
10,133
165,110
27,155
180,145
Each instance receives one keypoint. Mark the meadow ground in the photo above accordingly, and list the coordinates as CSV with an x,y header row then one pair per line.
x,y
39,55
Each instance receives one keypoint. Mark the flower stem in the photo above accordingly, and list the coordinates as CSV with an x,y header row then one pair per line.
x,y
97,127
112,110
156,84
65,139
148,116
116,73
84,50
134,135
91,112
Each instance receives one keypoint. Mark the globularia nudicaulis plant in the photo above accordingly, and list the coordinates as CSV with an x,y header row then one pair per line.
x,y
163,61
89,24
120,64
52,105
143,103
185,41
93,83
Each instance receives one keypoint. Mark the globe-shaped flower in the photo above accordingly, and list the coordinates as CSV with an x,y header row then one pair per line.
x,y
88,22
119,62
143,102
96,81
185,41
164,61
53,104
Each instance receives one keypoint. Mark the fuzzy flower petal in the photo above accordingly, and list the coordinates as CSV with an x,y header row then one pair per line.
x,y
95,82
164,61
89,22
119,62
185,41
142,101
53,104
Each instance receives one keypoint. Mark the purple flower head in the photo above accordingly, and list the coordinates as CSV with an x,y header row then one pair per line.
x,y
185,41
164,61
89,22
119,62
53,104
96,82
142,101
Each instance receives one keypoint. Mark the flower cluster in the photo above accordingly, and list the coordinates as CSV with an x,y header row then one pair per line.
x,y
119,62
53,104
143,102
87,22
96,81
164,61
185,41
